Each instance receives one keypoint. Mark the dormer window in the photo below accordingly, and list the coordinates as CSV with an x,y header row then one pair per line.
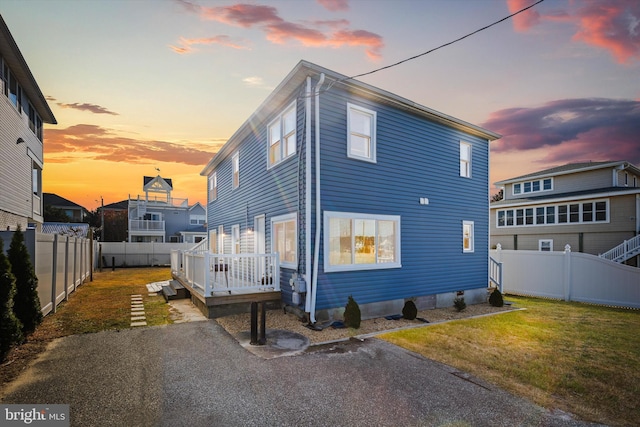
x,y
533,186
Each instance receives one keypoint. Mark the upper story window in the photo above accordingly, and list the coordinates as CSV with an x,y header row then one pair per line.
x,y
361,133
465,159
11,87
213,186
355,241
282,136
235,160
533,186
35,122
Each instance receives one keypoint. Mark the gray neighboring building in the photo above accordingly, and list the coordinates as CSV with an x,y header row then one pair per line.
x,y
23,110
159,217
592,206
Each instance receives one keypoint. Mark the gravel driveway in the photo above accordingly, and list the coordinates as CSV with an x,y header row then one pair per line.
x,y
196,374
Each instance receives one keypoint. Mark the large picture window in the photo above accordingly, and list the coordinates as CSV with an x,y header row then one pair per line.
x,y
284,239
356,241
361,133
282,136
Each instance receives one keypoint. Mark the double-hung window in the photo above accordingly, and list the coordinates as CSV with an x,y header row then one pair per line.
x,y
284,238
361,133
467,236
465,159
282,136
235,160
213,186
355,241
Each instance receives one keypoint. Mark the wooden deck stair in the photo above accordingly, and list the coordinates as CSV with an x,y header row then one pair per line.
x,y
174,290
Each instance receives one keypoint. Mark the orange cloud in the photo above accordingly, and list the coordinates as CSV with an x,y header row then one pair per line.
x,y
221,40
334,5
280,31
613,25
97,143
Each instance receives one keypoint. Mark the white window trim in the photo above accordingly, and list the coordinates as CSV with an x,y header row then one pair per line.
x,y
279,120
472,239
221,239
279,219
213,237
540,243
541,190
373,114
357,267
235,160
469,162
236,239
557,214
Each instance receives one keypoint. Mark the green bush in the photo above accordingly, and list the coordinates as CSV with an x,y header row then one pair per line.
x,y
459,303
10,326
495,299
352,317
409,311
26,303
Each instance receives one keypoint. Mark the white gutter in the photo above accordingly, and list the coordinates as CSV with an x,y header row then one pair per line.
x,y
307,194
316,253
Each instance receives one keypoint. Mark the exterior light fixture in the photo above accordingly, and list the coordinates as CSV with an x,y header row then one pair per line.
x,y
20,140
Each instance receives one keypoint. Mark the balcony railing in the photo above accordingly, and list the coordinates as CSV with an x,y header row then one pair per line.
x,y
146,225
225,274
160,201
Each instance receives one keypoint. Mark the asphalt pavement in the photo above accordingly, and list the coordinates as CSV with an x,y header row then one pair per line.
x,y
196,374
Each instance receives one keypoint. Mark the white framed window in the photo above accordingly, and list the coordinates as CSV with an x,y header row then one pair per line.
x,y
535,186
545,245
357,241
220,239
235,160
284,239
596,211
235,239
281,134
213,241
467,236
361,133
213,186
465,159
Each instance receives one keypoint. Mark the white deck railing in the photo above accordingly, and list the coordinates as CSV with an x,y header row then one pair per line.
x,y
146,225
495,273
210,273
624,251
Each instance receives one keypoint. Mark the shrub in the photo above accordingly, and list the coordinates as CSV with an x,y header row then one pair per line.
x,y
10,327
409,311
352,314
26,303
459,303
495,299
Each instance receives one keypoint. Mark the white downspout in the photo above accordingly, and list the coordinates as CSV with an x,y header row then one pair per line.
x,y
307,195
316,253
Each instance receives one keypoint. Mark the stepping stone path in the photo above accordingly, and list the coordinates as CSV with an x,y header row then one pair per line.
x,y
138,317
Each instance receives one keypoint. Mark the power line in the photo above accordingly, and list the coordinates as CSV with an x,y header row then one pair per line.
x,y
436,48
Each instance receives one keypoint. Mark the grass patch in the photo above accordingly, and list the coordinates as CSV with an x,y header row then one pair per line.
x,y
95,306
576,357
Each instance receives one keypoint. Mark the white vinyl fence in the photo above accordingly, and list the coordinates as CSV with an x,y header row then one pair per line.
x,y
62,263
125,254
570,276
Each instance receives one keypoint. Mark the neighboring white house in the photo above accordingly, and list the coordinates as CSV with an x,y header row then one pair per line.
x,y
592,206
23,110
159,217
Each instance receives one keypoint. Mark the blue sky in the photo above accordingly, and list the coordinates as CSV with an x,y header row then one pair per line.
x,y
144,84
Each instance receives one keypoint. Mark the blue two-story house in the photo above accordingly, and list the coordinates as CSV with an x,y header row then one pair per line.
x,y
361,192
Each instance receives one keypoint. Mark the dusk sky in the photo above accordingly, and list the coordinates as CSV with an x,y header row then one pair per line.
x,y
143,84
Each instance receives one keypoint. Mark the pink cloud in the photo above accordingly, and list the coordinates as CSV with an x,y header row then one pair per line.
x,y
571,129
186,43
334,5
278,30
92,108
613,25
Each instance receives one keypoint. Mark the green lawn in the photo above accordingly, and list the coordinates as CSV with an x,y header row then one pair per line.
x,y
579,358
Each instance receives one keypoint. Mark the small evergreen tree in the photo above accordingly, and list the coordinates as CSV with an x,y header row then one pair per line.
x,y
10,327
459,303
495,299
26,303
352,316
